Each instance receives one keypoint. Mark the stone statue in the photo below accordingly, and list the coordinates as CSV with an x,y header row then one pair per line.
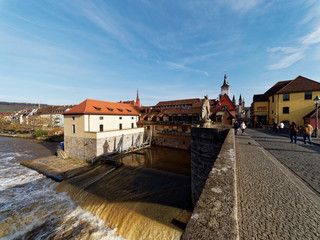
x,y
205,121
205,109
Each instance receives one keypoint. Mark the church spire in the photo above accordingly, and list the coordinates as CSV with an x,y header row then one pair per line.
x,y
138,99
240,100
225,87
234,100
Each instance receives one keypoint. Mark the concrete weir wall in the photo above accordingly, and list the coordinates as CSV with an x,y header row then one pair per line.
x,y
214,215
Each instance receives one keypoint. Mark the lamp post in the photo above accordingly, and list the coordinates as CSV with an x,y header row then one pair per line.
x,y
316,100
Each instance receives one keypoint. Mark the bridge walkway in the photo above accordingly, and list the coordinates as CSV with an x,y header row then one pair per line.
x,y
275,202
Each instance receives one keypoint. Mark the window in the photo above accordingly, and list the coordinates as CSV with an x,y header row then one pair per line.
x,y
101,127
120,126
132,125
73,128
129,110
101,118
110,109
131,117
97,108
307,95
286,97
73,118
148,127
120,117
285,110
120,110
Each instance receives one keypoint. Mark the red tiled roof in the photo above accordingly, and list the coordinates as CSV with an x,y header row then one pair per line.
x,y
179,102
90,106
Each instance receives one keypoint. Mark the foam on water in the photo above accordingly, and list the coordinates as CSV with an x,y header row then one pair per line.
x,y
30,208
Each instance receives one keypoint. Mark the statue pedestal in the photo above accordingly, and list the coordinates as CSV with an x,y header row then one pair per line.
x,y
205,124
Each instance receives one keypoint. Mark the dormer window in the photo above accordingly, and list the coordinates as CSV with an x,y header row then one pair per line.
x,y
120,110
98,108
110,109
129,110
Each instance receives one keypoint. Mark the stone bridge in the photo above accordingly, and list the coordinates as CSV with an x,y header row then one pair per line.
x,y
259,186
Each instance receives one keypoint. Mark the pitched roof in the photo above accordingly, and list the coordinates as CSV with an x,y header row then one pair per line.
x,y
179,102
90,106
300,84
312,114
273,90
225,101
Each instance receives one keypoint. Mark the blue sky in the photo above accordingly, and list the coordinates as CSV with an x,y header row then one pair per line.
x,y
63,52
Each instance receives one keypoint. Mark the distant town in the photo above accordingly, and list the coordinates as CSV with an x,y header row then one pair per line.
x,y
285,101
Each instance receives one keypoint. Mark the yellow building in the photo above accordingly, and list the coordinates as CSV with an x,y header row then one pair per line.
x,y
286,101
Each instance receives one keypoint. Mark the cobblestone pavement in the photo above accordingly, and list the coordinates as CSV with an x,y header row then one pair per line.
x,y
272,202
302,159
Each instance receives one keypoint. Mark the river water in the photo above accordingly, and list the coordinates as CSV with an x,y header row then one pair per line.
x,y
148,198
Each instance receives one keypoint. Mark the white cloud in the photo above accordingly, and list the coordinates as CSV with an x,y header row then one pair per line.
x,y
290,55
176,66
311,38
288,60
242,5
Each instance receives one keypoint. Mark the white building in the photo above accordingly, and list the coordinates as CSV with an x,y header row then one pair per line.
x,y
94,128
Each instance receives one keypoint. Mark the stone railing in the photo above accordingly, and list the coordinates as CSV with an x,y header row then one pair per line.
x,y
215,213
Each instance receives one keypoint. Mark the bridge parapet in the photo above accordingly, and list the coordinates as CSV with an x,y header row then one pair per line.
x,y
214,216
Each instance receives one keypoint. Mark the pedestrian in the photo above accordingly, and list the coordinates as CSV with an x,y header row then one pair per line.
x,y
294,129
243,126
307,130
281,127
236,127
275,127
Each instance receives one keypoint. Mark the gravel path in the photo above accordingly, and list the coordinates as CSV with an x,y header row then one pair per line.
x,y
272,202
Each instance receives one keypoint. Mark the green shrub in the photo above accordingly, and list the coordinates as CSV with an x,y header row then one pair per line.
x,y
41,133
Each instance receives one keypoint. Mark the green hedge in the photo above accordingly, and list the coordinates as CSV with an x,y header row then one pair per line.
x,y
41,133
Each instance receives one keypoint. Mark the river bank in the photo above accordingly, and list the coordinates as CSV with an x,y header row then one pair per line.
x,y
59,138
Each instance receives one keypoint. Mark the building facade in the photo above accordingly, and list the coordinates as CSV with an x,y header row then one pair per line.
x,y
94,128
285,102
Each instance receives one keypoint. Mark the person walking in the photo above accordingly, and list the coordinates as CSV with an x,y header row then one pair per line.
x,y
307,130
294,129
243,126
281,127
236,127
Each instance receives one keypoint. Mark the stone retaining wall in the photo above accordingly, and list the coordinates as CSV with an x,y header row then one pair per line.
x,y
105,142
173,142
214,216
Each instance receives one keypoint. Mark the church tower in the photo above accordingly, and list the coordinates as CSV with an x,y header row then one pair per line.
x,y
234,100
138,99
225,87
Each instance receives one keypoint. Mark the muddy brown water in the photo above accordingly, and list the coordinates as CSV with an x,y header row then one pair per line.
x,y
147,198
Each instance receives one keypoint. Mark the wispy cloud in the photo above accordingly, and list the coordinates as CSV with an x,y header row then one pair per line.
x,y
176,66
290,55
242,5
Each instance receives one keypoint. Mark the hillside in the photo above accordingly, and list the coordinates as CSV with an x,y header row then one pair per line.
x,y
16,106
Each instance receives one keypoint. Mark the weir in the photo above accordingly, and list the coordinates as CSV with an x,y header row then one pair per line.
x,y
148,197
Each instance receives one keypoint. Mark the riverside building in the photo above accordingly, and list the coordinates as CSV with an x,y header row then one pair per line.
x,y
94,128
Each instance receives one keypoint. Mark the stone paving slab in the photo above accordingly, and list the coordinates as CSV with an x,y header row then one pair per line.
x,y
302,159
273,203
